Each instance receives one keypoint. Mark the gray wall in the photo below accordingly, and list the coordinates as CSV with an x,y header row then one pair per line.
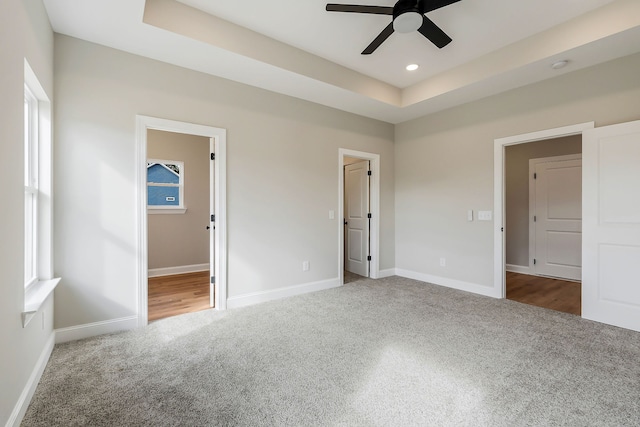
x,y
517,190
282,176
181,239
24,33
444,162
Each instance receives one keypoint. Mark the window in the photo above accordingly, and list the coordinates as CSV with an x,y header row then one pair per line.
x,y
165,186
39,282
30,187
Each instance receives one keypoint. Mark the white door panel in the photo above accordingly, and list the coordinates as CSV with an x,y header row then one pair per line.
x,y
558,218
356,180
611,250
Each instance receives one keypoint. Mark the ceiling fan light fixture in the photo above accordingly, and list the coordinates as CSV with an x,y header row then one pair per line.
x,y
407,22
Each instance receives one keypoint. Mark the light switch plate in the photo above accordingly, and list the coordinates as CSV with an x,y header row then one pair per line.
x,y
484,215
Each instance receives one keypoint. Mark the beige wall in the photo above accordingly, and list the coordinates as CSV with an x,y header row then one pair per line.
x,y
282,176
444,163
24,33
517,190
182,239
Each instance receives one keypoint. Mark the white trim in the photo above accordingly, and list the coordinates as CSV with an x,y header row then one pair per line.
x,y
475,288
27,393
499,256
87,330
218,138
181,269
259,297
35,296
166,210
522,269
387,273
374,189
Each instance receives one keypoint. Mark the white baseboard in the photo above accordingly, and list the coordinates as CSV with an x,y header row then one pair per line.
x,y
25,397
258,297
524,269
450,283
181,269
87,330
386,273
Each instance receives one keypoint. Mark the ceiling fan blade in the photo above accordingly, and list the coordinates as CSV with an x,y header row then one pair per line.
x,y
437,4
434,33
355,8
379,40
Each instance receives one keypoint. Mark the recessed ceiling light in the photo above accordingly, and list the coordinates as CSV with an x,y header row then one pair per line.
x,y
412,67
559,64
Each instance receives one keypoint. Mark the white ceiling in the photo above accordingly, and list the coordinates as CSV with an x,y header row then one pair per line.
x,y
297,48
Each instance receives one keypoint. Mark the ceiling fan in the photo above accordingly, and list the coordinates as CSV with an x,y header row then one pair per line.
x,y
408,15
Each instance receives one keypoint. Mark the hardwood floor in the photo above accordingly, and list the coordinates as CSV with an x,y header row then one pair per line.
x,y
178,294
560,295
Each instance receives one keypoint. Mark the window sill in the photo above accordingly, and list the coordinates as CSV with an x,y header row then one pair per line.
x,y
35,296
176,210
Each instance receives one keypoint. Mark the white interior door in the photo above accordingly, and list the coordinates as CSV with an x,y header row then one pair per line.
x,y
558,218
212,225
611,225
356,179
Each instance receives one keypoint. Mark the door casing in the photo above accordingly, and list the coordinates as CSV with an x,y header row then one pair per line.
x,y
499,254
218,141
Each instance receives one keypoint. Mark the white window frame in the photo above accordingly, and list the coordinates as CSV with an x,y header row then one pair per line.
x,y
39,281
30,188
180,208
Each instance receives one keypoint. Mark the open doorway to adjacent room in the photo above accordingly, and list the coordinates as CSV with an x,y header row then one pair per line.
x,y
181,194
178,224
359,211
543,221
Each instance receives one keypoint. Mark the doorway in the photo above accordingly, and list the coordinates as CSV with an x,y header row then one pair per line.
x,y
518,261
356,218
360,253
543,215
213,219
179,199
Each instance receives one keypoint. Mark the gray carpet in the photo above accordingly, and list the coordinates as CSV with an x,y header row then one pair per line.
x,y
371,353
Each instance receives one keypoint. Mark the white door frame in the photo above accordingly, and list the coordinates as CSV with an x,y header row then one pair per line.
x,y
499,255
218,138
374,201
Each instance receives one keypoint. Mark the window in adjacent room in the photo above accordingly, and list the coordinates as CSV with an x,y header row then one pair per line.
x,y
165,186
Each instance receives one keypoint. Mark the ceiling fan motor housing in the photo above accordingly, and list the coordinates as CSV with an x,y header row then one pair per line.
x,y
407,15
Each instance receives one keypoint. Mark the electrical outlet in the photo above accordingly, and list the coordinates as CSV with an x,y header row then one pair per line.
x,y
332,214
443,262
305,265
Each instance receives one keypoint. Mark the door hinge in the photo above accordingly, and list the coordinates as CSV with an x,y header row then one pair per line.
x,y
369,258
369,173
213,218
534,261
369,215
213,279
213,156
535,176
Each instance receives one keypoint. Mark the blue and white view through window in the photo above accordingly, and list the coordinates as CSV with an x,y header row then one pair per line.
x,y
165,183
